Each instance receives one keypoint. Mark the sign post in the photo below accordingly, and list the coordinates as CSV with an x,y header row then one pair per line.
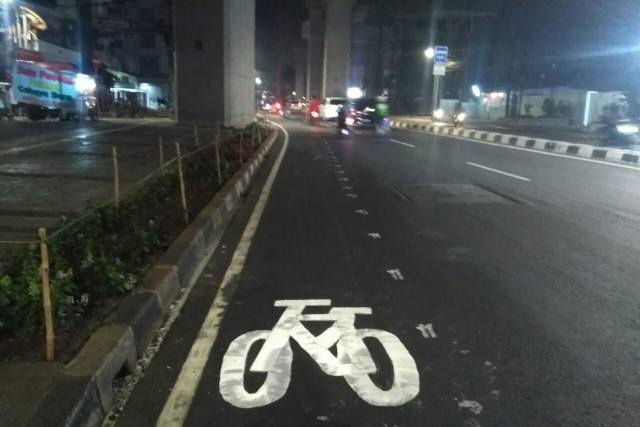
x,y
439,69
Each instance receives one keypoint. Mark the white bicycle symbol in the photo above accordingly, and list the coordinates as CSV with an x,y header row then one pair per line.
x,y
353,360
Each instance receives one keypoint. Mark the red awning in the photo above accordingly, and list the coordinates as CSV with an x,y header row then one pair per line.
x,y
58,66
23,54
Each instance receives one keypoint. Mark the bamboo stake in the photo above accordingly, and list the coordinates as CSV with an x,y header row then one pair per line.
x,y
182,188
218,156
161,151
241,144
195,132
46,293
116,175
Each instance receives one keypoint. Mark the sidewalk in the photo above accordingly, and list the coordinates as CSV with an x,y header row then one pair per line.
x,y
573,140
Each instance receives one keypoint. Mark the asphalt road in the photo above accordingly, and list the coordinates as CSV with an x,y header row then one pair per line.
x,y
50,169
493,286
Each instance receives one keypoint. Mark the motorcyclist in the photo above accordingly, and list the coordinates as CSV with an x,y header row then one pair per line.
x,y
314,109
314,105
343,113
381,115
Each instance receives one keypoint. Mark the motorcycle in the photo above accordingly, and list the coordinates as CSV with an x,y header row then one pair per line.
x,y
313,118
383,127
343,125
458,119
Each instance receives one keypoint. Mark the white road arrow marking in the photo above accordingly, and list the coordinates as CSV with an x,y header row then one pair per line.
x,y
427,330
375,235
396,274
362,211
353,196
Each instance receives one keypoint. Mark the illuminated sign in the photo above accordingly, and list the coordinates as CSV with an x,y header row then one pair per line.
x,y
42,86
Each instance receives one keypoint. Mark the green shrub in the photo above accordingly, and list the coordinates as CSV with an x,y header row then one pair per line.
x,y
104,254
549,106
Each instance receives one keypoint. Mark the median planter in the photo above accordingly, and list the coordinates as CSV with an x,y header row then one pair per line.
x,y
95,260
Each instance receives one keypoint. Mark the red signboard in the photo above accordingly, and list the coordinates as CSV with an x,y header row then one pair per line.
x,y
23,54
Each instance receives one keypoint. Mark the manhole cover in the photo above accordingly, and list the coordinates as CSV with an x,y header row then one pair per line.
x,y
453,193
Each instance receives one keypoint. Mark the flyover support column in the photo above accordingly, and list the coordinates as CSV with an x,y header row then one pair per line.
x,y
313,31
337,48
214,61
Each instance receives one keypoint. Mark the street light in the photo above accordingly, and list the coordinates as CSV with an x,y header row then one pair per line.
x,y
429,53
258,81
475,89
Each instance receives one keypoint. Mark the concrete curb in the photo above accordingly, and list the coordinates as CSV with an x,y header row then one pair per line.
x,y
84,395
542,144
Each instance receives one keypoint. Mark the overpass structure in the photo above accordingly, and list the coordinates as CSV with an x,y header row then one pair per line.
x,y
215,57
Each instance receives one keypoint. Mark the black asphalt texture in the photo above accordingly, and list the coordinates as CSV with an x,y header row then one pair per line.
x,y
530,288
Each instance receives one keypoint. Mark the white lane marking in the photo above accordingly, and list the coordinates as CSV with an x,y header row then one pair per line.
x,y
403,143
339,171
362,211
347,188
177,405
396,274
353,360
353,196
544,153
374,235
343,179
427,330
498,171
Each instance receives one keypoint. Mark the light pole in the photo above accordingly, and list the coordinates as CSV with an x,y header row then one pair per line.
x,y
428,54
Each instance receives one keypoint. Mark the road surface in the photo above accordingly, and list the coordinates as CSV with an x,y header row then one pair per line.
x,y
490,285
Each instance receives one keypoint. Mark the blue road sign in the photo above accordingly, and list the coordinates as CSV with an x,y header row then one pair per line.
x,y
441,53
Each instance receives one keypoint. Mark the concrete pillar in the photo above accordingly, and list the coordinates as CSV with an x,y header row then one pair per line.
x,y
313,32
301,68
214,61
337,47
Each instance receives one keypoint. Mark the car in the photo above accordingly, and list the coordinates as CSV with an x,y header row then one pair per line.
x,y
363,112
329,108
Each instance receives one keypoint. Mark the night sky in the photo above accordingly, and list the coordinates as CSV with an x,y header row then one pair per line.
x,y
592,43
585,42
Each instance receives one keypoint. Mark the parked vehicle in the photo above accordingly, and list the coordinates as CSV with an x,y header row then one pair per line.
x,y
46,91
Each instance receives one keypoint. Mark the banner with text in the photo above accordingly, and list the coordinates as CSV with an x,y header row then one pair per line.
x,y
37,85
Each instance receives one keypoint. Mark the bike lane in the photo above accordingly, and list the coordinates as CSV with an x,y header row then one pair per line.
x,y
331,232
